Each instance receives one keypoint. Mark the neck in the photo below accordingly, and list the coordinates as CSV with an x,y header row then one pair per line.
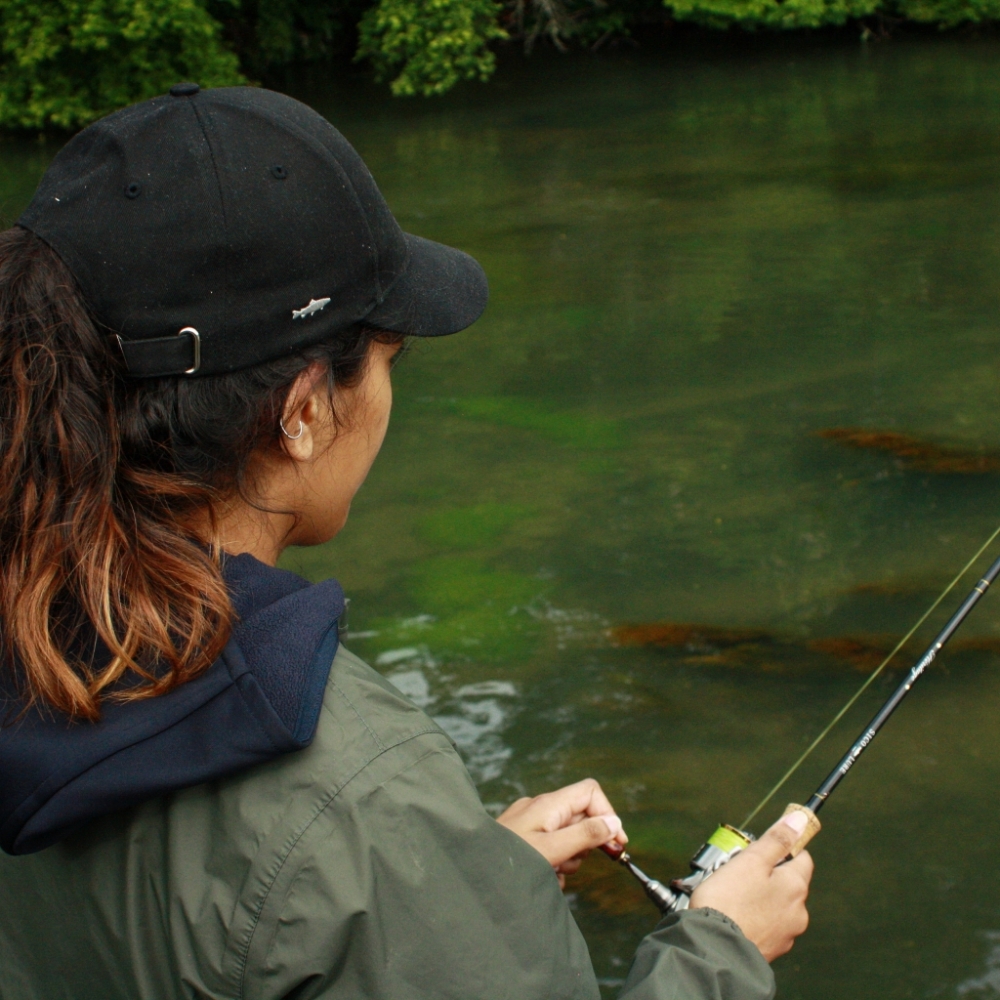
x,y
241,528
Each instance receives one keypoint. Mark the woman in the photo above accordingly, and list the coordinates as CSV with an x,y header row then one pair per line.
x,y
202,792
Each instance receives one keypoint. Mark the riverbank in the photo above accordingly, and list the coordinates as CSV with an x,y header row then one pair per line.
x,y
61,71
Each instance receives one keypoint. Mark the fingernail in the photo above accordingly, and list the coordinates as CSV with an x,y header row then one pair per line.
x,y
797,820
614,824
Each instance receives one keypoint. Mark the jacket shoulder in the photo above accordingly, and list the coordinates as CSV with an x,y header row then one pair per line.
x,y
386,714
203,860
265,810
362,717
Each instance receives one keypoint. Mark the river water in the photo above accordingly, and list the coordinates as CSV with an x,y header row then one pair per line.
x,y
701,260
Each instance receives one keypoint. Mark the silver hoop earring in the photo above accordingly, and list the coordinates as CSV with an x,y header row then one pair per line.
x,y
292,437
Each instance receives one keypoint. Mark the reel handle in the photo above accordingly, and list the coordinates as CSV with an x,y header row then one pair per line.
x,y
613,850
813,826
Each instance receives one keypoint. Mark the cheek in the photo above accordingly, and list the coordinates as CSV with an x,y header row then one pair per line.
x,y
364,440
356,447
381,407
386,410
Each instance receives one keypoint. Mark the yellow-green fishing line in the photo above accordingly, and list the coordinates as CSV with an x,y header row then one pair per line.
x,y
864,687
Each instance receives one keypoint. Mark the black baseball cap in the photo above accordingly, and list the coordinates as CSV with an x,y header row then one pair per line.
x,y
213,230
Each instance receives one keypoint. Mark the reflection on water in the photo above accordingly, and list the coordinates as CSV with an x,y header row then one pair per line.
x,y
699,261
473,715
988,984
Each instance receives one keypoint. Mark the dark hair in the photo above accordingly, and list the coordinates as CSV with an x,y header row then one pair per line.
x,y
100,476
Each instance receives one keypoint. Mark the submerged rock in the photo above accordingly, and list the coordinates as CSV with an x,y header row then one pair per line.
x,y
913,453
763,650
865,652
696,638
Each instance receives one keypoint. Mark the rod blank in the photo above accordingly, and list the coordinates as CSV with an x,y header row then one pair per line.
x,y
881,717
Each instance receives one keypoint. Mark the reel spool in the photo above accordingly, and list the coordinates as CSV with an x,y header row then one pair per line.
x,y
724,844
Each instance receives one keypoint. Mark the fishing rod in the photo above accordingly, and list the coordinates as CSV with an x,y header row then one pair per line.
x,y
728,841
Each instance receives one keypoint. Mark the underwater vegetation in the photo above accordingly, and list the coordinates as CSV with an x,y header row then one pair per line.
x,y
924,456
574,428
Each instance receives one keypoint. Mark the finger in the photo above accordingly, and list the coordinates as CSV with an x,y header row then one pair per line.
x,y
621,836
512,815
518,806
561,845
778,842
555,809
570,867
598,803
802,866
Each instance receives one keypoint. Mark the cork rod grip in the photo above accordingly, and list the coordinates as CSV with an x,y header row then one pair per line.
x,y
812,827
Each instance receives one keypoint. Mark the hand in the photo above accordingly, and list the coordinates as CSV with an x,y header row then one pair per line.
x,y
564,825
767,900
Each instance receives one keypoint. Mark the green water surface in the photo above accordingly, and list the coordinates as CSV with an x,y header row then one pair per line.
x,y
698,260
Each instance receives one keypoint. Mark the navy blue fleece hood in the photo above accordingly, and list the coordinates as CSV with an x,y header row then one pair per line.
x,y
261,698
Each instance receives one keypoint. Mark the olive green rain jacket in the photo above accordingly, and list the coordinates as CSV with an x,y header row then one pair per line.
x,y
361,867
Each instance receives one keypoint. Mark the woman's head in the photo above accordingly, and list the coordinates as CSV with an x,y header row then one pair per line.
x,y
115,493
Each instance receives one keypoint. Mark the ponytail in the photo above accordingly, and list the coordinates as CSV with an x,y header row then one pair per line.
x,y
104,589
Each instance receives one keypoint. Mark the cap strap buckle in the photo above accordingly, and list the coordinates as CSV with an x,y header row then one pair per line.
x,y
196,340
157,357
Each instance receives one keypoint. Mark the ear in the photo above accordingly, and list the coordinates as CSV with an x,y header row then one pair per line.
x,y
306,411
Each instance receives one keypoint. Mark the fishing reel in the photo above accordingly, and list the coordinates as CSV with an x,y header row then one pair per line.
x,y
720,848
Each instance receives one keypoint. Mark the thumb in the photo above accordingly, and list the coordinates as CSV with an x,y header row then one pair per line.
x,y
778,842
561,845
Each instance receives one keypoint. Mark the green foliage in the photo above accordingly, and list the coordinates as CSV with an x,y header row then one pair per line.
x,y
822,13
430,44
773,13
948,13
67,62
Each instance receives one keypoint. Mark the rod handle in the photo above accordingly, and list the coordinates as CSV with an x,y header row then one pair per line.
x,y
813,826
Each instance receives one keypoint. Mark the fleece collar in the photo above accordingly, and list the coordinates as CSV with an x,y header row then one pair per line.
x,y
261,698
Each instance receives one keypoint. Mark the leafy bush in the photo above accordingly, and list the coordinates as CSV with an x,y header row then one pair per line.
x,y
64,63
431,43
948,13
67,62
774,13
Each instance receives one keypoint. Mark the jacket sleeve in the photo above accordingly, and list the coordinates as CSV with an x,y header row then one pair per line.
x,y
698,953
404,888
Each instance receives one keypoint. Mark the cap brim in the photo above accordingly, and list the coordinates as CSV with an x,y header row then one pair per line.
x,y
441,291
